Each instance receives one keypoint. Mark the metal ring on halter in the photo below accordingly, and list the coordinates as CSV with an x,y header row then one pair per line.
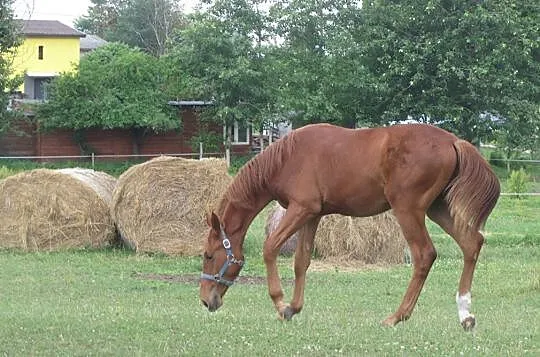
x,y
218,278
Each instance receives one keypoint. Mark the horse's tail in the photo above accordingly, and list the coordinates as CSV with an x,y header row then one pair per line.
x,y
473,192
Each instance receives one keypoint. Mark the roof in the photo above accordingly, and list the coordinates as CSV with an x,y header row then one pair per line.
x,y
91,42
190,103
48,28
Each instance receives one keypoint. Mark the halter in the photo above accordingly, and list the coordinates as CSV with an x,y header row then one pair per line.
x,y
218,278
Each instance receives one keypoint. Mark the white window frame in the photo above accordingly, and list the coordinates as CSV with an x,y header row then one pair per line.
x,y
233,133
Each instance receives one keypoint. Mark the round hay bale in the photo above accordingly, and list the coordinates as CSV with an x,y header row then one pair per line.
x,y
275,215
160,206
49,210
369,240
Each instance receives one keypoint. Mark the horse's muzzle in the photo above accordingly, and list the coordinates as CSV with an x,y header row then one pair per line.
x,y
213,301
212,305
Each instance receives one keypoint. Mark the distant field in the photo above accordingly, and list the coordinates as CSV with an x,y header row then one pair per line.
x,y
105,303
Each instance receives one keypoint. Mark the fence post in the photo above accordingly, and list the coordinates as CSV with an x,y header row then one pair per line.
x,y
200,151
228,156
93,161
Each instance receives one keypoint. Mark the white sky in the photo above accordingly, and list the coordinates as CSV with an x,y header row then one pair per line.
x,y
65,11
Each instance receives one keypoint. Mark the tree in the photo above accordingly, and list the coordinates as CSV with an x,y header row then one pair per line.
x,y
115,87
220,56
304,62
456,63
102,17
322,78
139,23
9,40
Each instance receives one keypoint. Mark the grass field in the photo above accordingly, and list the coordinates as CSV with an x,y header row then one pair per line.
x,y
99,303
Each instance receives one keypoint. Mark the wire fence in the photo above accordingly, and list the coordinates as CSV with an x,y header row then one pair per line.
x,y
95,157
532,166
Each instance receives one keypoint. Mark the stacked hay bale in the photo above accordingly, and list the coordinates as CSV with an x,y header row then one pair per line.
x,y
369,240
48,210
275,215
160,206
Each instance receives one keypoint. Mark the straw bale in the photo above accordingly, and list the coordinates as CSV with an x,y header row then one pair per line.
x,y
160,206
47,210
369,240
275,215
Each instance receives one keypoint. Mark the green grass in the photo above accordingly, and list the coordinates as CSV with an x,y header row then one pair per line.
x,y
115,168
91,303
10,167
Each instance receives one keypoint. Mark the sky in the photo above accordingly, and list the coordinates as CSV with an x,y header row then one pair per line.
x,y
65,11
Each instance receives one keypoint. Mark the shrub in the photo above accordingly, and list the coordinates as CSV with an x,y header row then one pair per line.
x,y
237,162
496,158
6,171
519,181
211,141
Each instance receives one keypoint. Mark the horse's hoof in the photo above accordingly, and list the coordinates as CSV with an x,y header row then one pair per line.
x,y
286,314
469,323
389,322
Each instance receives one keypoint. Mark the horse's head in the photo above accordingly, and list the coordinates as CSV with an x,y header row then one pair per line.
x,y
220,265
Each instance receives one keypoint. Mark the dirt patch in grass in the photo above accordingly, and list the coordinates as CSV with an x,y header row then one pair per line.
x,y
316,266
194,278
345,266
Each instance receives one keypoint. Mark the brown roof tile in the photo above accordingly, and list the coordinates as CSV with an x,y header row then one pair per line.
x,y
48,28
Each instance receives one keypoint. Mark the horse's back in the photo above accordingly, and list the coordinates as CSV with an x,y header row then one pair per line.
x,y
353,171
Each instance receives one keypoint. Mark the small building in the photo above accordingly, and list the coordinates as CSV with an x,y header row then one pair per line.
x,y
48,49
90,43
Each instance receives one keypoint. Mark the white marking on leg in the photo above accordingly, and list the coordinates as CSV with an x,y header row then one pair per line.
x,y
464,306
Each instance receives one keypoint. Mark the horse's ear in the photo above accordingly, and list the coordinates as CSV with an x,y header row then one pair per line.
x,y
213,221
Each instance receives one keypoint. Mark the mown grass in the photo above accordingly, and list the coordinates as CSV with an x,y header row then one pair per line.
x,y
93,303
115,168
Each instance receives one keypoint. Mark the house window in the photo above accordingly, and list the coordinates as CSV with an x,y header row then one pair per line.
x,y
239,133
40,88
40,52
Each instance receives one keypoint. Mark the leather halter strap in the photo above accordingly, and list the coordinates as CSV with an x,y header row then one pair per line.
x,y
218,278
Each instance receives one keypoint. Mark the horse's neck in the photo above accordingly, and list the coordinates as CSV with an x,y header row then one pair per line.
x,y
237,216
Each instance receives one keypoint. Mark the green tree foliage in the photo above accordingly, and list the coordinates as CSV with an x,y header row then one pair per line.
x,y
460,63
220,57
138,23
470,66
9,39
318,71
115,87
102,17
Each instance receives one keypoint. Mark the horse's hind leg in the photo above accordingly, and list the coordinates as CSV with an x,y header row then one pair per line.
x,y
470,243
302,259
412,222
295,217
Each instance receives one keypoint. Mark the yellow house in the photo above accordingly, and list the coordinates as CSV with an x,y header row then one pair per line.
x,y
49,48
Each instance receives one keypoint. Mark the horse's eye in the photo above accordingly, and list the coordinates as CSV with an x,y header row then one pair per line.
x,y
206,256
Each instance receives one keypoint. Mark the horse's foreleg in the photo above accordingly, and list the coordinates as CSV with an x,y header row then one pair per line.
x,y
294,218
423,255
302,259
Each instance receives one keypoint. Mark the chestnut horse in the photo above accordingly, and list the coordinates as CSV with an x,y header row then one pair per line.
x,y
322,169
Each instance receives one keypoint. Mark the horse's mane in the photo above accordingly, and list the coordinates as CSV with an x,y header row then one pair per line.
x,y
254,176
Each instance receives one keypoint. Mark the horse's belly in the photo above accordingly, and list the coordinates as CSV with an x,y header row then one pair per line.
x,y
357,206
